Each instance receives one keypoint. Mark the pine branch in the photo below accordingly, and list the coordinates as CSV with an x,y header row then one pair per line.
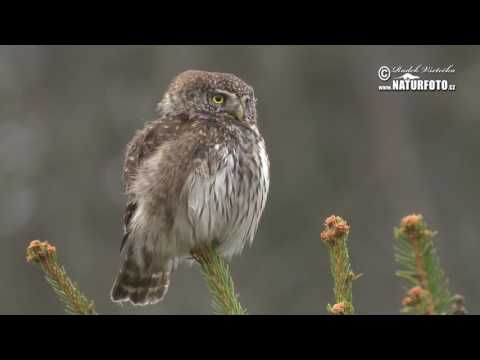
x,y
415,253
335,237
217,276
67,291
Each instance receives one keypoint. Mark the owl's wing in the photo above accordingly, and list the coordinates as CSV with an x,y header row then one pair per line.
x,y
143,144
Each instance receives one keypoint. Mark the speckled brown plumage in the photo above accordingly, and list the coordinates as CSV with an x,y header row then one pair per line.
x,y
197,174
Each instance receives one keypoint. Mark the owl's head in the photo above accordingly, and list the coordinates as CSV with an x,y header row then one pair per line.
x,y
222,95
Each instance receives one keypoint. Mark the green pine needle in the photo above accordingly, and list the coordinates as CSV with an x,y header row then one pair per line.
x,y
67,291
220,283
335,236
415,253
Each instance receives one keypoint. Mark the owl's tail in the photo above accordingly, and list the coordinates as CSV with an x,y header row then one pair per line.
x,y
140,284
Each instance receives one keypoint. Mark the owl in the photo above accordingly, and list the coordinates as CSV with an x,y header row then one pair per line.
x,y
196,176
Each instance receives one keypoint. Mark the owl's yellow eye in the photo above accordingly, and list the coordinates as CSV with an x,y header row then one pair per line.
x,y
218,99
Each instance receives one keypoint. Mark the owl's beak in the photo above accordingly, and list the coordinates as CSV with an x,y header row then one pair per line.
x,y
240,110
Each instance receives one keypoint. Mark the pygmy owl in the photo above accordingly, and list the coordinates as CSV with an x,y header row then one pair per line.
x,y
197,175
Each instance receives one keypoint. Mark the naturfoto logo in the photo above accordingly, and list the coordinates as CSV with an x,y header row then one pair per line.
x,y
410,78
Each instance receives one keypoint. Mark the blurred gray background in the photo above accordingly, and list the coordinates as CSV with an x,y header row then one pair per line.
x,y
336,145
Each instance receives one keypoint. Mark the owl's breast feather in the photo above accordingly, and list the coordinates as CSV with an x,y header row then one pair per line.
x,y
223,199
